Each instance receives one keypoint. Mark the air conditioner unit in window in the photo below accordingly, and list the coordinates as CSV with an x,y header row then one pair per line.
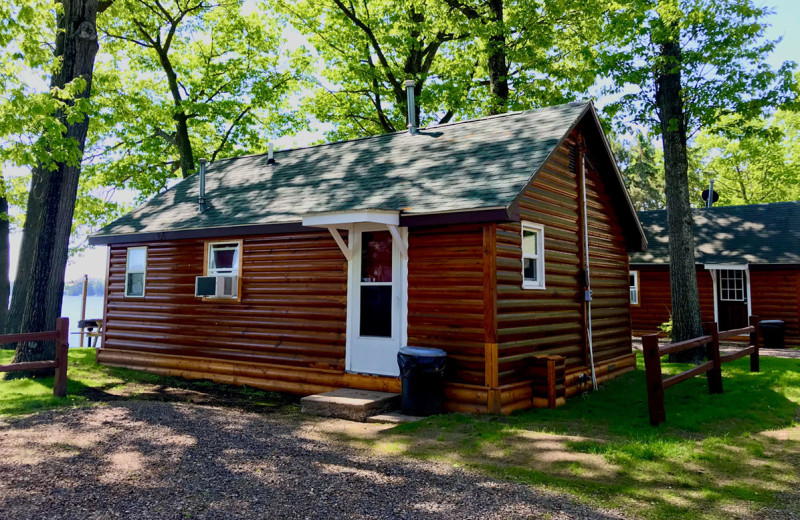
x,y
220,286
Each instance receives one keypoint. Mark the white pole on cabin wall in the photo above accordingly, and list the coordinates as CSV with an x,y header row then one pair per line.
x,y
588,294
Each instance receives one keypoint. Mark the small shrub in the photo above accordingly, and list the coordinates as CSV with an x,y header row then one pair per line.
x,y
666,327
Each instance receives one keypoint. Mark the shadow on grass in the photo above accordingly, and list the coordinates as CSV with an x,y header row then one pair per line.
x,y
717,456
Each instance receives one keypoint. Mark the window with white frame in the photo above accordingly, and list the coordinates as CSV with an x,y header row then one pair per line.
x,y
634,283
532,256
731,285
223,258
135,271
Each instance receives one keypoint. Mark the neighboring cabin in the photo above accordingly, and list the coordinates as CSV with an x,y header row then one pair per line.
x,y
748,263
467,237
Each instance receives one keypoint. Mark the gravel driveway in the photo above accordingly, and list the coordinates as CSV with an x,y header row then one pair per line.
x,y
144,459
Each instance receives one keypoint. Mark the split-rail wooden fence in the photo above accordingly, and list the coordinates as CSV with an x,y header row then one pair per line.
x,y
653,352
61,337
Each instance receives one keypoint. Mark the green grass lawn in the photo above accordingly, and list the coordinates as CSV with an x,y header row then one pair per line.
x,y
717,456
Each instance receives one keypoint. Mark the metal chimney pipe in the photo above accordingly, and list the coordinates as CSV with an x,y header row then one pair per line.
x,y
270,158
412,109
710,200
201,198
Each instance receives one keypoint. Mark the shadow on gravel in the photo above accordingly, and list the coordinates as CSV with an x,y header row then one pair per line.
x,y
169,460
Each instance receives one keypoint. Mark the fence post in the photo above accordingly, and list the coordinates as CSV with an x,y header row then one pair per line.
x,y
655,383
755,339
714,375
62,347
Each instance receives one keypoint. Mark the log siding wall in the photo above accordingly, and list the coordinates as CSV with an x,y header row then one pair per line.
x,y
776,296
288,331
655,299
552,321
292,311
774,293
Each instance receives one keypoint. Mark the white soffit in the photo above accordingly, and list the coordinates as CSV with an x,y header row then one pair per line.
x,y
344,218
726,267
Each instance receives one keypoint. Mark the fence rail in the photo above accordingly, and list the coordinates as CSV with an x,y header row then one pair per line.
x,y
653,352
61,337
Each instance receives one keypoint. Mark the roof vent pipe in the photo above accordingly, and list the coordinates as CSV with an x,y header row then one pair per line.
x,y
412,109
710,196
270,158
201,198
710,201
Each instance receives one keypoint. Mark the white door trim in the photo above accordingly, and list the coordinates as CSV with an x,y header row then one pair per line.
x,y
399,253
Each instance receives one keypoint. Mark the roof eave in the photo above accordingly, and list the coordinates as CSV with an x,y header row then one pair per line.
x,y
470,216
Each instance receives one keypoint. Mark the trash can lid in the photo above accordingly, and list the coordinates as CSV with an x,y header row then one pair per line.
x,y
423,352
771,322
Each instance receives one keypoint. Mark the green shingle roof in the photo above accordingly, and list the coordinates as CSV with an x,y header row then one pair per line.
x,y
754,234
471,165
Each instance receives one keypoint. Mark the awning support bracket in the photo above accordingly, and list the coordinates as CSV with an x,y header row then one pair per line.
x,y
399,240
346,251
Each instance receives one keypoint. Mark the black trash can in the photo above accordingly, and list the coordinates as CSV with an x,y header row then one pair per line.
x,y
422,375
773,332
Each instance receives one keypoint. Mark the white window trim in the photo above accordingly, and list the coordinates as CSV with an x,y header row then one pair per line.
x,y
214,271
128,271
635,286
540,257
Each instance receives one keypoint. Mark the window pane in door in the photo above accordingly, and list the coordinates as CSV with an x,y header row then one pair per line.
x,y
376,256
376,311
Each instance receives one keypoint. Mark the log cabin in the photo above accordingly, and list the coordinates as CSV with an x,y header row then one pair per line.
x,y
748,263
306,270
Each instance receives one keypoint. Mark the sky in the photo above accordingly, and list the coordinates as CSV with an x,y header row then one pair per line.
x,y
785,23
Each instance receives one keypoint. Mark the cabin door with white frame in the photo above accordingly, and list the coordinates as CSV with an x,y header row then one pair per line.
x,y
374,308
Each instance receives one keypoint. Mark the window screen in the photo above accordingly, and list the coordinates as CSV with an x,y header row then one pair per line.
x,y
223,258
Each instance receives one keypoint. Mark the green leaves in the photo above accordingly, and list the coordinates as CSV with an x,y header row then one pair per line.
x,y
753,161
365,52
723,47
223,70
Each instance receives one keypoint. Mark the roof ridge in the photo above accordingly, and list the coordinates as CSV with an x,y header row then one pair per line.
x,y
735,206
401,132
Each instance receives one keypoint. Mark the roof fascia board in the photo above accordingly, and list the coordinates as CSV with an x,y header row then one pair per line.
x,y
474,216
462,217
515,204
182,234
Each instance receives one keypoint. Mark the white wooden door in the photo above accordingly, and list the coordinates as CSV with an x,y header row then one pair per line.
x,y
374,306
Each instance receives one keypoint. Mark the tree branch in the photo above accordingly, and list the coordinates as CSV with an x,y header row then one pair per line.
x,y
228,133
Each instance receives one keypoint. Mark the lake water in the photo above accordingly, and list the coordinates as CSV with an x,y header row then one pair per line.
x,y
71,308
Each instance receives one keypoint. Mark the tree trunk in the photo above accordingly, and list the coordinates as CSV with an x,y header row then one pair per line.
x,y
51,202
686,319
496,61
185,153
5,228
